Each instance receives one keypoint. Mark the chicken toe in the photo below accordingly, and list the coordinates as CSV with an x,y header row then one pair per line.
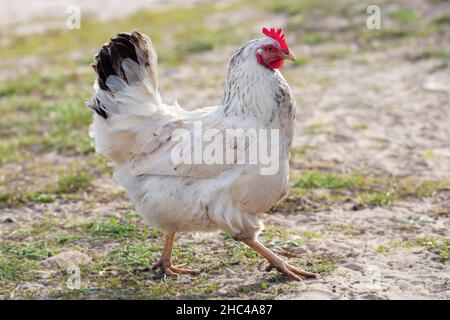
x,y
291,271
278,263
165,263
171,270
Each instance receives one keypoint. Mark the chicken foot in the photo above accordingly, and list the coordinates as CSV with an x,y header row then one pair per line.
x,y
277,262
165,263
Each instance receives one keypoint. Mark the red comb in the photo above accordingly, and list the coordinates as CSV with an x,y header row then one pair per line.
x,y
277,35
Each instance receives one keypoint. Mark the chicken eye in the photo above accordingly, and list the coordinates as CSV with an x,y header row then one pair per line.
x,y
269,48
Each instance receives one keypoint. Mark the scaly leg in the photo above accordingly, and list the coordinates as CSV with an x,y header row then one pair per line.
x,y
165,263
277,262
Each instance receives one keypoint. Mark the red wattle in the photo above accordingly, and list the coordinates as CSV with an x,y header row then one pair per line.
x,y
276,64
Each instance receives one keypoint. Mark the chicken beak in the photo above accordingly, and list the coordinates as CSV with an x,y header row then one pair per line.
x,y
289,56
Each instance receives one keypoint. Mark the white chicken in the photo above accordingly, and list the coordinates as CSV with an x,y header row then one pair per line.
x,y
134,129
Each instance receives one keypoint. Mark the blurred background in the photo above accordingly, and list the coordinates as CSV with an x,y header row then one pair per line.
x,y
373,114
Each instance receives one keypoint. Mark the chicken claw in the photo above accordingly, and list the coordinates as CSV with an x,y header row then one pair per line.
x,y
278,263
292,271
172,270
165,263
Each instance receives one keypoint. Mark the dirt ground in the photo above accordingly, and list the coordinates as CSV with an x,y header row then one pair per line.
x,y
370,203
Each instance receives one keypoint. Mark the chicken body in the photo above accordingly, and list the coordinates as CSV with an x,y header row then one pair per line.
x,y
138,133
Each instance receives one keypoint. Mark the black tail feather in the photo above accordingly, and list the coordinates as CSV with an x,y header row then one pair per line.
x,y
108,61
95,105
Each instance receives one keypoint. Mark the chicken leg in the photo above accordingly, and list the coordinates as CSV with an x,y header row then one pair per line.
x,y
277,262
165,263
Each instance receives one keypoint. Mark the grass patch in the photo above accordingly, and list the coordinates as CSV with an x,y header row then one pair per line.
x,y
405,15
132,257
320,190
338,53
205,40
360,126
322,267
11,269
439,247
69,113
112,228
377,198
316,129
237,254
16,148
301,151
29,251
17,260
315,179
293,8
381,249
73,181
21,198
312,38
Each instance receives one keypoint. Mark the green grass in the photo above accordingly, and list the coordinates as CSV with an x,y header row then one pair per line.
x,y
312,38
339,53
405,15
381,249
18,259
293,8
302,150
377,198
73,181
205,40
29,251
16,148
113,228
68,182
439,248
11,269
361,126
322,267
317,128
69,114
239,253
22,198
132,257
273,233
314,179
50,119
363,190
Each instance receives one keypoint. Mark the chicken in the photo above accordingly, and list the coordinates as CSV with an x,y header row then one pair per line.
x,y
140,135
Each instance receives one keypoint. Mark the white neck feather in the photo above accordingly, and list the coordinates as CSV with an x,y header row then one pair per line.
x,y
250,88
